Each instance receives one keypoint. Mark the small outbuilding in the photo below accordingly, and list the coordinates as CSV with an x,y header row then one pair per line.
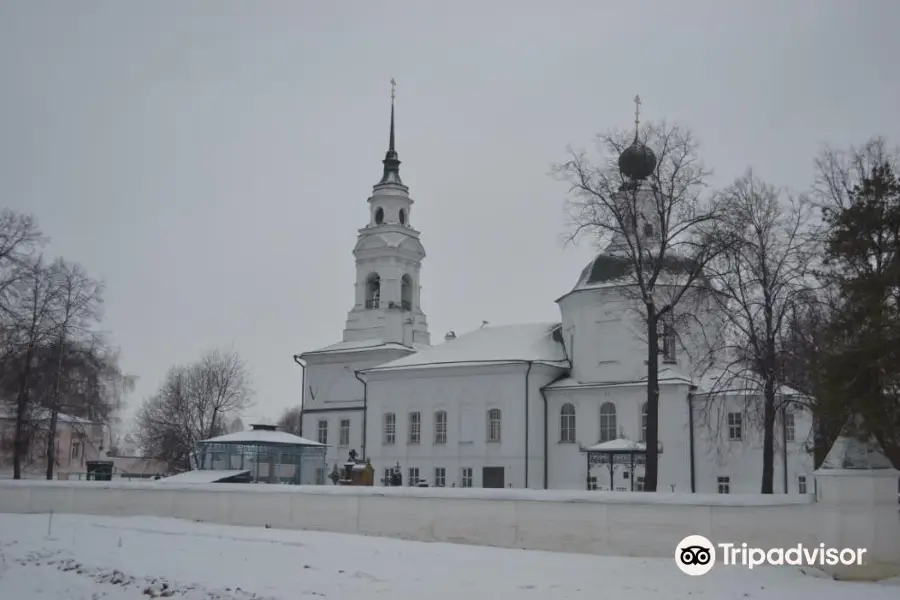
x,y
270,455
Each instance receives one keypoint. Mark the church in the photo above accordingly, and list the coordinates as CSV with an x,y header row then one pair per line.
x,y
556,405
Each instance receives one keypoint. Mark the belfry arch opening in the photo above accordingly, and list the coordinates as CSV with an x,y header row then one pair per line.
x,y
402,217
373,291
379,216
406,292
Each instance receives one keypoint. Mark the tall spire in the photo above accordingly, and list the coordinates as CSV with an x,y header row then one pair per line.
x,y
391,161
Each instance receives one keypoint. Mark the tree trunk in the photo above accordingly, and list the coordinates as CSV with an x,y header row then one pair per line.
x,y
651,469
51,442
54,413
21,409
768,473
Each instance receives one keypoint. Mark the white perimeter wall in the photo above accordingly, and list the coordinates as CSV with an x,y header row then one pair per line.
x,y
604,523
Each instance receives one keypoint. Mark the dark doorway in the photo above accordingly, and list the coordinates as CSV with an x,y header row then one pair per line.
x,y
492,477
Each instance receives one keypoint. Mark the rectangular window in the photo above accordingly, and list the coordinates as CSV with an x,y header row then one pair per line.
x,y
466,477
801,484
413,476
76,450
415,427
390,428
344,439
724,484
639,484
440,477
592,483
323,432
735,426
493,425
788,426
669,341
440,427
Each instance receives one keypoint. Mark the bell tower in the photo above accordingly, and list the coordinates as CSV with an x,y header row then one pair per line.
x,y
388,257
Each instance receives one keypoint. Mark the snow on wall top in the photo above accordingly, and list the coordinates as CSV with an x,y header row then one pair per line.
x,y
490,345
261,436
201,476
575,496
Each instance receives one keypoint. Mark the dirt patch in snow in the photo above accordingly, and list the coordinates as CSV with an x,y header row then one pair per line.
x,y
152,587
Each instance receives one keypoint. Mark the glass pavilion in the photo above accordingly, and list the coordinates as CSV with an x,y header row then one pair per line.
x,y
271,456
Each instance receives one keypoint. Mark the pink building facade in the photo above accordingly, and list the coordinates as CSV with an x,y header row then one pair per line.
x,y
77,442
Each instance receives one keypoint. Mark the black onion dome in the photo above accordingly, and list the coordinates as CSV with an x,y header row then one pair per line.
x,y
608,268
637,161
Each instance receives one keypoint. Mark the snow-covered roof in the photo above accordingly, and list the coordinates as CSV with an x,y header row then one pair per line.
x,y
364,345
202,476
618,445
44,415
531,342
261,436
736,380
665,376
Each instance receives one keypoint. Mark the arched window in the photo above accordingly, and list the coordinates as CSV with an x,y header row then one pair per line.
x,y
607,422
406,292
644,422
402,217
379,215
493,425
373,291
567,423
648,230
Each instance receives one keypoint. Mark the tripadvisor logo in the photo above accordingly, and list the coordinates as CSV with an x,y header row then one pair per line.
x,y
696,555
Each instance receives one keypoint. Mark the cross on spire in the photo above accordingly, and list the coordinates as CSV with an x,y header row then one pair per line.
x,y
637,113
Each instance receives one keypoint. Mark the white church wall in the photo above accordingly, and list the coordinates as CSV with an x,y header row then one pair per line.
x,y
610,314
331,391
568,465
716,455
466,393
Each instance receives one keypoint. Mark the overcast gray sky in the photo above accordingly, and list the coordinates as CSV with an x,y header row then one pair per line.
x,y
211,160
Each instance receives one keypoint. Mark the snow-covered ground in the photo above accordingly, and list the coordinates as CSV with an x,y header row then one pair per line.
x,y
88,558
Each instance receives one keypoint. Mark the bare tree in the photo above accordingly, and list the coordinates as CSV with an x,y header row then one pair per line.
x,y
645,198
195,402
33,328
838,172
291,420
77,310
20,238
760,279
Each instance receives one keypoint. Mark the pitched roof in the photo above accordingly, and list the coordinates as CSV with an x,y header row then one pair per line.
x,y
363,345
44,415
261,436
503,344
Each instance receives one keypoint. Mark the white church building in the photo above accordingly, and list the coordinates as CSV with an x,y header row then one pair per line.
x,y
521,405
